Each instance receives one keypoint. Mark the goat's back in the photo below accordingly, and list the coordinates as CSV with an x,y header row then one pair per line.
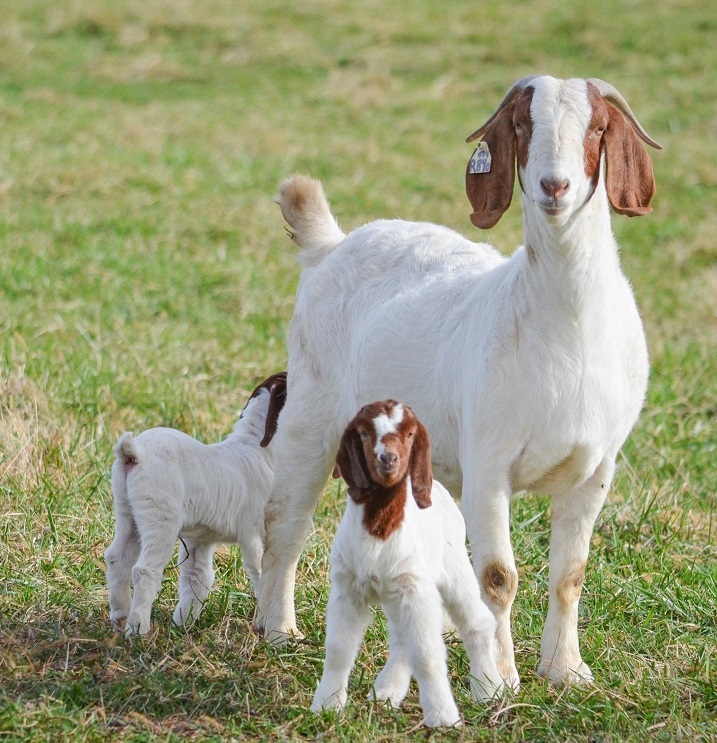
x,y
219,487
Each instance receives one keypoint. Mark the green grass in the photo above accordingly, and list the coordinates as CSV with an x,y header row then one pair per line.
x,y
146,279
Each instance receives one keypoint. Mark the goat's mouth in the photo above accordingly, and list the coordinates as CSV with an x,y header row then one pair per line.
x,y
552,207
388,473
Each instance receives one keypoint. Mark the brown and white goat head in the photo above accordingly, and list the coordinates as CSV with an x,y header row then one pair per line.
x,y
381,447
557,131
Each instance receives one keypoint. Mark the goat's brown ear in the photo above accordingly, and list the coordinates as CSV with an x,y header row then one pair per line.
x,y
351,461
629,178
490,193
420,468
277,399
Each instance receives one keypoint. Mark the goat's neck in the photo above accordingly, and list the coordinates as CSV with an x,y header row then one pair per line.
x,y
249,429
384,508
574,263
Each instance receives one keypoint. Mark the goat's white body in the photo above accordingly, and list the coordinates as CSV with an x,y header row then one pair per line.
x,y
412,574
166,485
528,372
410,287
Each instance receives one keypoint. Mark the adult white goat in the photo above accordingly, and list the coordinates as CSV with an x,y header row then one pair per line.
x,y
528,372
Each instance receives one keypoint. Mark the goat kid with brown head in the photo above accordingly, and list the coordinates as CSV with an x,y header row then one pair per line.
x,y
401,544
167,485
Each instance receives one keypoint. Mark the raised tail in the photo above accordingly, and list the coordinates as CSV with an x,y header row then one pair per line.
x,y
127,451
311,225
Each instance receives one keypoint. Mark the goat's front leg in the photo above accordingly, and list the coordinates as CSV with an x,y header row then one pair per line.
x,y
486,509
299,477
573,517
347,617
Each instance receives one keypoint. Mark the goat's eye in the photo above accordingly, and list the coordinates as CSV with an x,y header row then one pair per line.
x,y
410,434
363,434
599,130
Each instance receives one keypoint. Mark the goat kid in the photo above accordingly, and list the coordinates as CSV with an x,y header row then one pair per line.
x,y
166,485
401,544
529,372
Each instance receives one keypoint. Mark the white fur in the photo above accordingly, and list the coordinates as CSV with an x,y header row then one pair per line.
x,y
384,425
528,372
203,494
421,567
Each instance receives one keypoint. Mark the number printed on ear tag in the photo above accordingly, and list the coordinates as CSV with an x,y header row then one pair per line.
x,y
480,159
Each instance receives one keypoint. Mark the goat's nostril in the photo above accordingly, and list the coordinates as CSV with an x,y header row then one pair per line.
x,y
555,187
388,458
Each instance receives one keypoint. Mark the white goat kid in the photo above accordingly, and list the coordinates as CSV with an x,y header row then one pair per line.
x,y
401,544
528,372
168,485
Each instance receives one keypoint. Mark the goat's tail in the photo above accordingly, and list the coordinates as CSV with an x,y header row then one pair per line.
x,y
311,224
127,451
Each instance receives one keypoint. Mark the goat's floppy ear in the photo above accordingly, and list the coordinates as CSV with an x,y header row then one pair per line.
x,y
490,193
277,399
420,468
351,462
629,178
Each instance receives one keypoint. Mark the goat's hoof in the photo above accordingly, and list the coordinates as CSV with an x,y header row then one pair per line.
x,y
511,679
488,690
117,617
185,614
394,697
278,637
336,702
578,674
443,719
137,627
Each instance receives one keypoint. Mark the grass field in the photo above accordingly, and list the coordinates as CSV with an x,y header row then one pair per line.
x,y
145,279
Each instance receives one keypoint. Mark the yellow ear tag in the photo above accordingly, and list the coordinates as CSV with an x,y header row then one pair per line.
x,y
480,159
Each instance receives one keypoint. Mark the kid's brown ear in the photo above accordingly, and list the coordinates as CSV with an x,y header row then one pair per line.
x,y
277,399
629,177
420,468
351,461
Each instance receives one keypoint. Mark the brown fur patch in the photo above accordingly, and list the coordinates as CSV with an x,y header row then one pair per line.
x,y
522,118
570,587
384,508
595,131
499,583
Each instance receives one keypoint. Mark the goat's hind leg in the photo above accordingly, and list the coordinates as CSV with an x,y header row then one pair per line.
x,y
393,681
196,576
122,554
158,533
573,518
417,612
